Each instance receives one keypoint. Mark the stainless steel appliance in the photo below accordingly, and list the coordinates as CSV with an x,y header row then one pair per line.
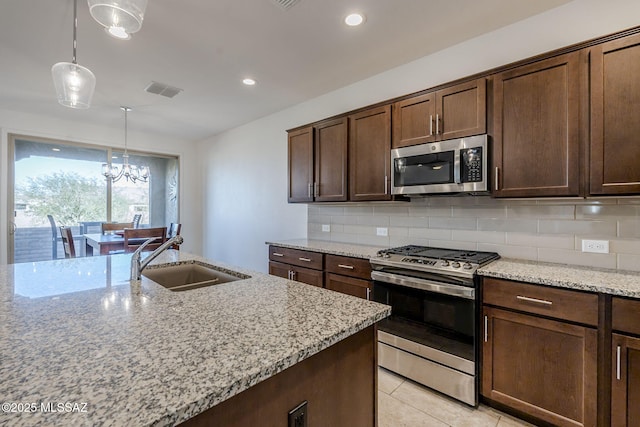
x,y
432,334
453,166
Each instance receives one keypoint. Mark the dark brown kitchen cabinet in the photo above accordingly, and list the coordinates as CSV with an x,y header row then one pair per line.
x,y
300,147
452,112
370,154
348,275
545,367
538,126
330,178
625,363
615,117
295,264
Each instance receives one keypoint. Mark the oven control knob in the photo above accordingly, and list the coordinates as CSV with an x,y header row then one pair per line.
x,y
455,264
444,263
466,266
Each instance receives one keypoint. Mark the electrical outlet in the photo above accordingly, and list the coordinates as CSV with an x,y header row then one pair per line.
x,y
382,231
596,246
326,228
298,415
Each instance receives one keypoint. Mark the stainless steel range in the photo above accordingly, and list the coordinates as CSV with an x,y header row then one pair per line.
x,y
432,334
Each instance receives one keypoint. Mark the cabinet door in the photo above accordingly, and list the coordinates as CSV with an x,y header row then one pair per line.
x,y
279,269
461,110
331,161
542,367
414,121
536,128
308,276
301,165
625,387
370,154
349,285
615,117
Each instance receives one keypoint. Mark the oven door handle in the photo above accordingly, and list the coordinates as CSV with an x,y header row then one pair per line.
x,y
425,285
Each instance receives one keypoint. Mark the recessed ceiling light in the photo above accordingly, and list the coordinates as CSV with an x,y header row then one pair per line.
x,y
354,19
249,82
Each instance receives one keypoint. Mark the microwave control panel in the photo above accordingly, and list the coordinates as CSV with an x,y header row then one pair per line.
x,y
471,170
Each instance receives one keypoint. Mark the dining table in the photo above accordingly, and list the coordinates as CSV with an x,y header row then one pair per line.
x,y
103,244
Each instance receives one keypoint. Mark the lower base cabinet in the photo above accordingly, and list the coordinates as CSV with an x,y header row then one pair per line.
x,y
299,274
625,384
349,285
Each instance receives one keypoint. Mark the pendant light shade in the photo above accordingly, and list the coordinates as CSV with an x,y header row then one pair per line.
x,y
121,18
74,83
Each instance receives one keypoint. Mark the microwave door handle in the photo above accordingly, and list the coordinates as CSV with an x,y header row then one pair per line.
x,y
456,167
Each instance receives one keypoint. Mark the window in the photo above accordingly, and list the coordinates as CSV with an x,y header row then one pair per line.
x,y
64,180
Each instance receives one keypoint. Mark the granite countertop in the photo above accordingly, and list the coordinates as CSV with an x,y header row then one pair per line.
x,y
77,332
333,248
614,282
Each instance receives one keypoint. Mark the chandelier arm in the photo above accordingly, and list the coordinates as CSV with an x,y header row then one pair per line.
x,y
75,30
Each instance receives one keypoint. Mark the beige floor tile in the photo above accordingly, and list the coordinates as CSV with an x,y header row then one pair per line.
x,y
388,381
507,421
394,413
445,409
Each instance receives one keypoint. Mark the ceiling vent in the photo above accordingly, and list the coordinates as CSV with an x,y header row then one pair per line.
x,y
163,89
286,4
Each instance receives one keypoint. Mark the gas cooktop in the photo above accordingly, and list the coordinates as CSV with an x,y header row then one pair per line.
x,y
434,259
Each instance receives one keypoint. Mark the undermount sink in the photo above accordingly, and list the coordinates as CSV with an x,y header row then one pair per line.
x,y
183,277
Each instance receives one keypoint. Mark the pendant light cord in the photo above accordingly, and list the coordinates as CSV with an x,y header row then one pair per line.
x,y
75,29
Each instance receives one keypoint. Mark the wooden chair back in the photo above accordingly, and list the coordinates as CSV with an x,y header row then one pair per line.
x,y
173,231
67,242
134,237
115,226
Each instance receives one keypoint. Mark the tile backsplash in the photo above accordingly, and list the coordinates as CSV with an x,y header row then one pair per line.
x,y
544,230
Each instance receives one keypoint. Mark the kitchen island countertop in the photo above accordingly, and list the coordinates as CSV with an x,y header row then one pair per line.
x,y
82,345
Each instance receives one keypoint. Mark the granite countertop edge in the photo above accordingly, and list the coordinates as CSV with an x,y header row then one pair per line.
x,y
332,248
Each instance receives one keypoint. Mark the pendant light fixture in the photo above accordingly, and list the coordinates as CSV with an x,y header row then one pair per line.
x,y
120,18
74,83
132,173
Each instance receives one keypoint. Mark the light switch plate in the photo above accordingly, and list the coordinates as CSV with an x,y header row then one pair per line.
x,y
595,246
326,228
382,231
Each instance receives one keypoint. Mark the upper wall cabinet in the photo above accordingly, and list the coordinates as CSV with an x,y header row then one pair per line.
x,y
330,183
615,117
453,112
300,147
537,128
370,154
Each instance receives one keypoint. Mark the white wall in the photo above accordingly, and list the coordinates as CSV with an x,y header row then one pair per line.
x,y
77,131
245,169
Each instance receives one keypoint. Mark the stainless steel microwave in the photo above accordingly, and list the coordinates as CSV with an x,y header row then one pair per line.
x,y
453,166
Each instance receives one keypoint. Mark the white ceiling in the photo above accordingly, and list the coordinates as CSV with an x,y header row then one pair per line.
x,y
206,47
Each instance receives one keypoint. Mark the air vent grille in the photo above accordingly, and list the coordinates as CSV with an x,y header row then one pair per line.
x,y
286,4
163,89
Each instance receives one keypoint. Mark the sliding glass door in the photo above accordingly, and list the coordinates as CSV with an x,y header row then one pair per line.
x,y
59,183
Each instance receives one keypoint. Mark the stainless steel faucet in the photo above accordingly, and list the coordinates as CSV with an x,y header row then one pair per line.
x,y
137,265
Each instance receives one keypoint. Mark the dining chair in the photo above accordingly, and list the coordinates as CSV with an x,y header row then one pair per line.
x,y
134,237
136,220
67,242
115,226
173,231
54,237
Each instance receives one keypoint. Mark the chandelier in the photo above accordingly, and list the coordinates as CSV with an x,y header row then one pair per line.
x,y
74,83
120,18
132,173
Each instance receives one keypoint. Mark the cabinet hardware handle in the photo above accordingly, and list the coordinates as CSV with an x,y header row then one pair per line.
x,y
536,300
289,274
430,124
486,332
315,189
304,259
618,363
368,294
437,124
386,185
350,267
496,178
277,254
309,189
293,275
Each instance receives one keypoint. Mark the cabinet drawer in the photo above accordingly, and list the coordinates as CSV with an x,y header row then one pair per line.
x,y
348,266
348,285
626,315
299,257
299,274
563,304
